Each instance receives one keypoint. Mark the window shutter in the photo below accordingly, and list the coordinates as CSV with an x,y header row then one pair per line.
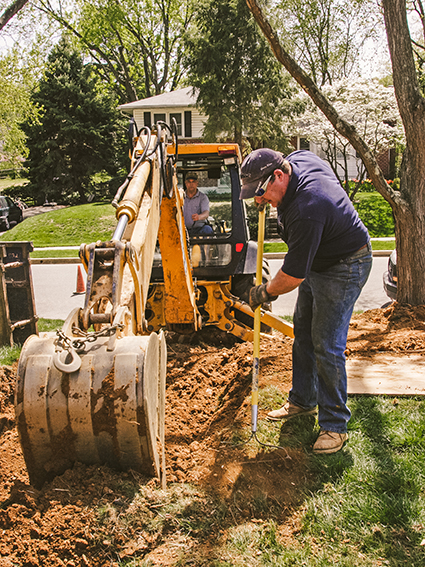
x,y
188,124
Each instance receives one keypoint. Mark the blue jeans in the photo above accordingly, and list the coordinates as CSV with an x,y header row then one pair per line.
x,y
322,316
205,230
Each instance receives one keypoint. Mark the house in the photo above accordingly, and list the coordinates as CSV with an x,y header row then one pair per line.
x,y
179,104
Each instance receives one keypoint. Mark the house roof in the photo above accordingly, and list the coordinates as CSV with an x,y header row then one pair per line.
x,y
179,98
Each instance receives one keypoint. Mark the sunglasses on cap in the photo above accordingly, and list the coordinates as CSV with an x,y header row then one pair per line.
x,y
262,187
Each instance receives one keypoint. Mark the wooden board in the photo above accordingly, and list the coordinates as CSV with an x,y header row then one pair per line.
x,y
391,374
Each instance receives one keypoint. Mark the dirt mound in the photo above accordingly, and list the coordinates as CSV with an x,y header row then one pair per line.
x,y
208,398
399,328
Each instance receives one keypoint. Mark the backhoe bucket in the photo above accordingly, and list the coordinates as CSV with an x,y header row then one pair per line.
x,y
108,411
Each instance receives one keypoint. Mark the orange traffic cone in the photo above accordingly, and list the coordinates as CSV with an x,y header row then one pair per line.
x,y
81,288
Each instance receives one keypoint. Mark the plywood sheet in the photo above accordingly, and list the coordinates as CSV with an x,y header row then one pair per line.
x,y
391,374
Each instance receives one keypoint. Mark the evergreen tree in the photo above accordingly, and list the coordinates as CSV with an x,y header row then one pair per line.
x,y
74,135
240,86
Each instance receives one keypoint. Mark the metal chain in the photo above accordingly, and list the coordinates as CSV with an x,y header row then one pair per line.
x,y
79,345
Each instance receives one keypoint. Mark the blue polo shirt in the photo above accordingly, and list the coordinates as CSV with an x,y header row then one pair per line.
x,y
316,218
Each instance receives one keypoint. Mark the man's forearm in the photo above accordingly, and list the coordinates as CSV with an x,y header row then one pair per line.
x,y
282,283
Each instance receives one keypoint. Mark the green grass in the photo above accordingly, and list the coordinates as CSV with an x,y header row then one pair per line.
x,y
383,244
8,183
70,226
55,253
9,355
46,325
73,226
275,247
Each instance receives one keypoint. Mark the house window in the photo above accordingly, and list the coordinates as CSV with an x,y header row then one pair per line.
x,y
158,117
188,124
304,144
147,119
178,118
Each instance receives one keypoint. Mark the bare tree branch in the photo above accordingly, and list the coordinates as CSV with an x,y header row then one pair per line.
x,y
11,11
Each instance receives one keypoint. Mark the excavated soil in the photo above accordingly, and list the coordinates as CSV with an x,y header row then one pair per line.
x,y
208,398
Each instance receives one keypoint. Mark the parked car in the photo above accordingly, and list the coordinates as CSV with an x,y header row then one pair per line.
x,y
390,277
10,213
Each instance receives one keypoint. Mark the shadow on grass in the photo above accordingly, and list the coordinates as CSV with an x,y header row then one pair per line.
x,y
392,444
369,496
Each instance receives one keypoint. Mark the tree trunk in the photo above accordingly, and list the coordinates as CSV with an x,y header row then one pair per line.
x,y
409,207
410,236
238,135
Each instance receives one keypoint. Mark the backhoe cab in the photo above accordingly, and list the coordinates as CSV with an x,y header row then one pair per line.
x,y
223,264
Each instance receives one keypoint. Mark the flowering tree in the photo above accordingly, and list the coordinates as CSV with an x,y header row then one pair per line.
x,y
371,107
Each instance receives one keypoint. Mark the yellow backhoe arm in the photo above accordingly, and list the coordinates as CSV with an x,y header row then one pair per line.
x,y
99,396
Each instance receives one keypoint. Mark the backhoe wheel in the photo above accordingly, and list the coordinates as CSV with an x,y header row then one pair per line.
x,y
110,411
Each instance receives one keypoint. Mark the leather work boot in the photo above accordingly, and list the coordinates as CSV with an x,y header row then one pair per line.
x,y
329,442
287,411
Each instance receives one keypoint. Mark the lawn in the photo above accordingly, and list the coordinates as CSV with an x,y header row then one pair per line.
x,y
73,226
70,226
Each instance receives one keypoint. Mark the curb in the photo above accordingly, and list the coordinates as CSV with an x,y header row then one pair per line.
x,y
268,255
34,261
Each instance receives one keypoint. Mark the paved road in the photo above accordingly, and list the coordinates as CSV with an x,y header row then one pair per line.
x,y
54,287
55,284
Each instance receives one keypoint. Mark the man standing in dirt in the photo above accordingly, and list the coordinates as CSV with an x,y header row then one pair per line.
x,y
329,259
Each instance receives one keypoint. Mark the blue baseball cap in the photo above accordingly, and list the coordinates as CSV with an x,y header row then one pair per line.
x,y
256,167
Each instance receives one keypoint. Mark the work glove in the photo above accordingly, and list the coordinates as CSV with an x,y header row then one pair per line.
x,y
259,295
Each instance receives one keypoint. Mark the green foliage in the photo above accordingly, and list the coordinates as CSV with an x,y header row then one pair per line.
x,y
135,48
241,87
375,213
9,355
74,135
15,106
366,185
252,219
326,36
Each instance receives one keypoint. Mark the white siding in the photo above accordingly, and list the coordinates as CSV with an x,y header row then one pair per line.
x,y
198,122
197,119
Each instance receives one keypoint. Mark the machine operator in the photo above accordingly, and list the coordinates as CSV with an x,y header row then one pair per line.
x,y
196,208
